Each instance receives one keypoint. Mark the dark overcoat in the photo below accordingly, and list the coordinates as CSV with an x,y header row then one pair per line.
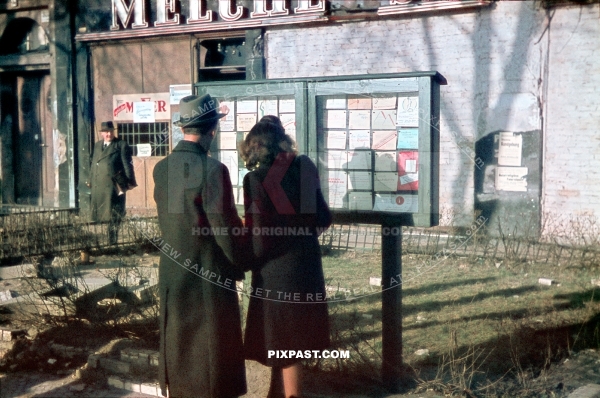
x,y
201,351
285,209
106,164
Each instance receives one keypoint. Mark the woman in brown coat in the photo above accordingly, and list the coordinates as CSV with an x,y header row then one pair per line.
x,y
285,211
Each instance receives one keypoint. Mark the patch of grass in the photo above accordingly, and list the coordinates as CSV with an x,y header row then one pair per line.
x,y
502,322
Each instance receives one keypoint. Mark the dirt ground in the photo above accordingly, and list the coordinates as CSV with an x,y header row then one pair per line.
x,y
580,369
28,370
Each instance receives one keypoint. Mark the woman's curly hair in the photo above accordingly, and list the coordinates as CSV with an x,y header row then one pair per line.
x,y
264,142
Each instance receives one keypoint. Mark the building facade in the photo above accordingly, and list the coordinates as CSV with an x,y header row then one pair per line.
x,y
37,142
517,131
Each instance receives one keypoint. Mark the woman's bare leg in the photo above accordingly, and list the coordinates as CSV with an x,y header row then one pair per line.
x,y
292,378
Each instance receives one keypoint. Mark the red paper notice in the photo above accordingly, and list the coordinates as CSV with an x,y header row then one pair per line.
x,y
408,171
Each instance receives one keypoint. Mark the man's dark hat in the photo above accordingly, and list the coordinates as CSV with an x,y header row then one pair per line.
x,y
195,110
107,126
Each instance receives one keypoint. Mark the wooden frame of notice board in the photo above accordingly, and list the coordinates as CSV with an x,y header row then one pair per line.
x,y
374,138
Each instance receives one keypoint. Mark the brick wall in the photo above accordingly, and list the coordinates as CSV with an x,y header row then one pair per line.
x,y
495,60
572,115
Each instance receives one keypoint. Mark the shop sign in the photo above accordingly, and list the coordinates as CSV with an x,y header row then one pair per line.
x,y
124,109
132,15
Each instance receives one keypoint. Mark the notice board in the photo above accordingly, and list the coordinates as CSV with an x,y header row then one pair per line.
x,y
375,139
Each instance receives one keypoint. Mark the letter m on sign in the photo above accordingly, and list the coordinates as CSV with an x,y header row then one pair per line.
x,y
124,12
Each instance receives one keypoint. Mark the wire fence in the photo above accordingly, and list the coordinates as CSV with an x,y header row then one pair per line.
x,y
437,242
27,231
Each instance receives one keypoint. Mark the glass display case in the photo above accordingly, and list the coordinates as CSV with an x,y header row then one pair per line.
x,y
375,140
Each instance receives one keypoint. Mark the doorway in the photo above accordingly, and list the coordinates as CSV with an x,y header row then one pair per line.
x,y
27,117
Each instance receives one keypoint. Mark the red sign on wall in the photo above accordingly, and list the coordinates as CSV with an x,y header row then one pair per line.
x,y
123,106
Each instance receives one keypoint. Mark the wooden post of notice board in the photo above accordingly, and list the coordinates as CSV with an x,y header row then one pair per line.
x,y
391,305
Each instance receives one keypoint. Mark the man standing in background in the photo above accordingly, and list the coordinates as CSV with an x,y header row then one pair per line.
x,y
111,175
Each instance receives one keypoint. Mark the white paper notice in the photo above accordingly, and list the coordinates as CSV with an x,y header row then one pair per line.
x,y
336,120
240,196
410,166
509,149
335,103
227,123
396,203
178,91
359,139
385,161
336,139
360,201
287,106
408,178
144,150
383,140
176,132
358,160
511,179
359,119
246,121
242,173
384,103
230,159
386,182
360,180
267,107
246,106
336,184
288,120
227,140
335,159
408,112
384,119
143,112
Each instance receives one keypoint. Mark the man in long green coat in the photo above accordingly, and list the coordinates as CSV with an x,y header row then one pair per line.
x,y
111,175
201,352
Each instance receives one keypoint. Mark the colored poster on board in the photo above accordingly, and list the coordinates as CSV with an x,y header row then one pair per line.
x,y
408,171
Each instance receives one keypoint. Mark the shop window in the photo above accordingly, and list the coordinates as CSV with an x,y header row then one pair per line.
x,y
223,59
155,134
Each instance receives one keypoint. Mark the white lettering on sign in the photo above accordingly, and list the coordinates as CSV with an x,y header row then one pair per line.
x,y
225,11
123,13
304,7
260,9
198,12
133,13
164,9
